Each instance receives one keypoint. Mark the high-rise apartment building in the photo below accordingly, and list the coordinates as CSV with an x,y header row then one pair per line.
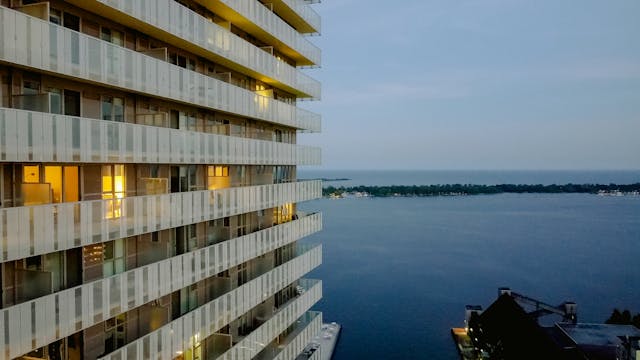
x,y
148,182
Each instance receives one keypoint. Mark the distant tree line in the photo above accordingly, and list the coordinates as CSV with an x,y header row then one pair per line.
x,y
471,189
624,318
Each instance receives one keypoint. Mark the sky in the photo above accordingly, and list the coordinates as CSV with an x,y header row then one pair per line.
x,y
478,84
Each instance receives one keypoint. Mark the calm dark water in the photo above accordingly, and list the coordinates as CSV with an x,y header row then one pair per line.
x,y
398,272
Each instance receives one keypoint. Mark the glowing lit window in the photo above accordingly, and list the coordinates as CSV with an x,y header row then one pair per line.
x,y
217,177
113,189
31,174
283,213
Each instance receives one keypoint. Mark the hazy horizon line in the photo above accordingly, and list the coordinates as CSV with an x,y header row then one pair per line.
x,y
305,168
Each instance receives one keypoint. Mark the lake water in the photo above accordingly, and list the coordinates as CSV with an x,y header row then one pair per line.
x,y
397,272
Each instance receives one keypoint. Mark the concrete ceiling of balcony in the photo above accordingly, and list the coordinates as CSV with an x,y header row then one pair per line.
x,y
247,25
292,17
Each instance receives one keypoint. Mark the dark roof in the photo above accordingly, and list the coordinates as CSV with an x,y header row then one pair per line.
x,y
515,335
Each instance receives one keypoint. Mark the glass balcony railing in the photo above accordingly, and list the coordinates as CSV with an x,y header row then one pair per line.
x,y
297,336
59,138
125,291
206,320
259,15
306,12
180,21
56,49
62,226
251,345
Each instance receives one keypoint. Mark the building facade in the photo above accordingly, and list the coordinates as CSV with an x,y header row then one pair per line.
x,y
148,188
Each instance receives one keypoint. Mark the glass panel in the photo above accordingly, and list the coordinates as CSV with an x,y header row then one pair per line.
x,y
31,174
71,103
53,176
118,109
71,188
107,102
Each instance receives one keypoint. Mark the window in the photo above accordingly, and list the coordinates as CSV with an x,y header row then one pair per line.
x,y
112,108
188,299
114,333
243,275
217,177
184,178
55,16
113,182
46,184
283,213
217,231
71,21
113,36
113,257
30,87
71,103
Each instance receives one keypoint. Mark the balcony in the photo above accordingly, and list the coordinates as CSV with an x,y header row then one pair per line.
x,y
182,27
299,335
35,230
45,137
259,21
32,42
299,14
89,304
184,332
286,316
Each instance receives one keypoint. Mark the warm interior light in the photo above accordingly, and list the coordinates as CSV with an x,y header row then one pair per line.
x,y
217,177
31,174
113,188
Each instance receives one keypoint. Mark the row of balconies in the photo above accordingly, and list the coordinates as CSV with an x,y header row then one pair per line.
x,y
42,137
91,303
256,13
47,319
255,342
306,328
32,42
35,230
187,25
182,333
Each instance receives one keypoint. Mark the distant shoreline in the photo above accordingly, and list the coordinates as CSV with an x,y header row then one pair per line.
x,y
330,179
472,189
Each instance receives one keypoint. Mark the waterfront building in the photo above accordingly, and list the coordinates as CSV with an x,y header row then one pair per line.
x,y
148,181
511,328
